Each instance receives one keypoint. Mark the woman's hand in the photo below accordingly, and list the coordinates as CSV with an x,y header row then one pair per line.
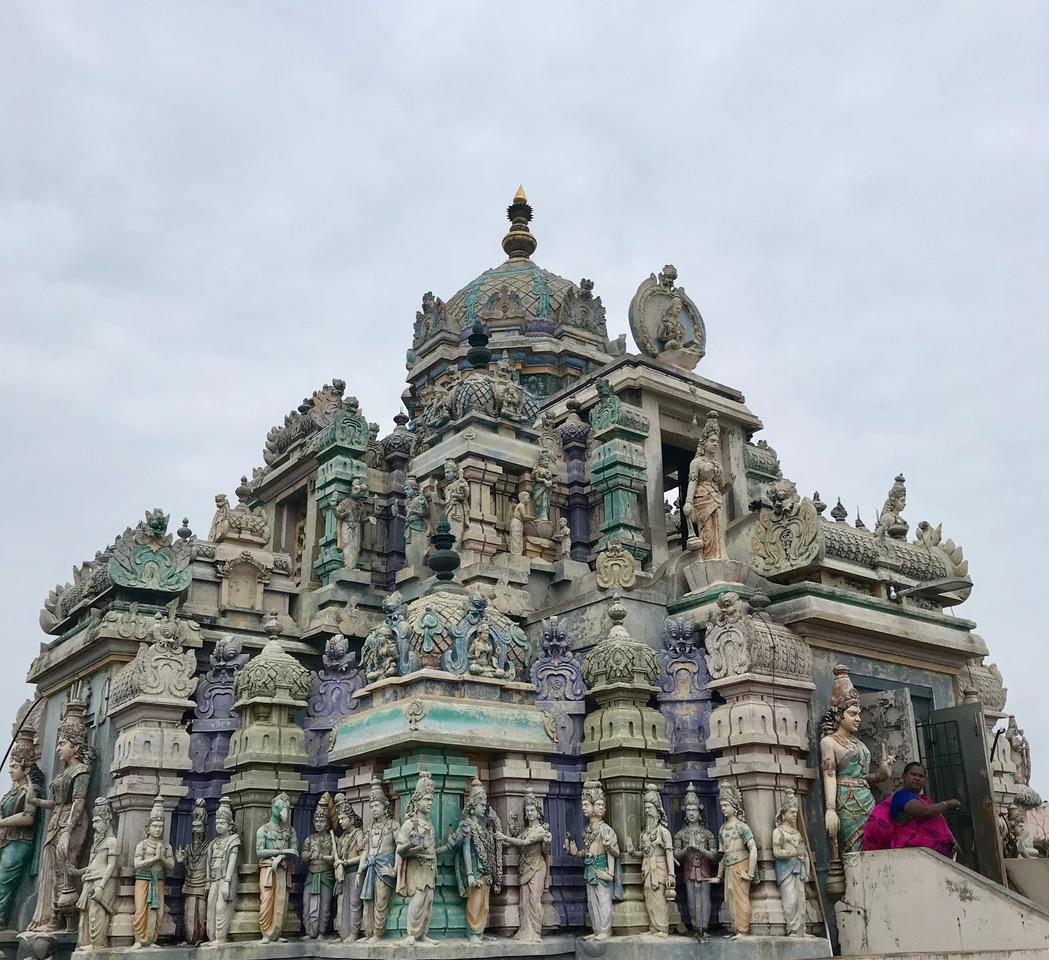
x,y
952,804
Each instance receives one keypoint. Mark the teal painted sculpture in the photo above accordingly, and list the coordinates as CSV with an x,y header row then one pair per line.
x,y
18,826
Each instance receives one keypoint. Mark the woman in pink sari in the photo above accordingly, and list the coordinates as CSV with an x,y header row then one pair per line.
x,y
918,821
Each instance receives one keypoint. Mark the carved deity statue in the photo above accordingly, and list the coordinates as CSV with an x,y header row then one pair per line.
x,y
564,539
18,822
671,331
352,513
479,858
377,873
697,851
100,878
739,858
657,863
318,857
222,862
379,654
542,484
1021,836
66,828
456,501
349,848
890,521
1021,751
602,873
194,859
482,653
519,518
533,868
509,397
417,853
845,762
792,865
416,524
705,496
153,861
276,846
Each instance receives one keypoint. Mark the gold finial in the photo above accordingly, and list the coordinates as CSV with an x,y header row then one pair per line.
x,y
520,197
519,243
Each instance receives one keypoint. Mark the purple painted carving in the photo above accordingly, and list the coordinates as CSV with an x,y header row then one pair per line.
x,y
559,686
334,695
684,699
214,719
575,434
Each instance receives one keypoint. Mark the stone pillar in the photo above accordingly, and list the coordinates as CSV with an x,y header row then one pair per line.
x,y
760,732
265,755
482,540
147,702
575,434
397,452
625,740
566,820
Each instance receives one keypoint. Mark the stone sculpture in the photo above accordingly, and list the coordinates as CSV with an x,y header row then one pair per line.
x,y
352,513
792,865
705,496
456,501
665,322
194,859
349,849
153,861
739,860
1021,836
696,849
601,866
377,873
18,822
479,858
417,854
890,521
542,484
616,568
845,762
222,862
657,863
379,654
417,528
1021,751
533,867
276,846
66,829
318,857
98,896
520,516
564,539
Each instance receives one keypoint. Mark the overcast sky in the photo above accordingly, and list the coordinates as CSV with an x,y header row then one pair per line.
x,y
209,209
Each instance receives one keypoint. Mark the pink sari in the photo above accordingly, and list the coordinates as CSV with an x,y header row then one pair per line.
x,y
881,832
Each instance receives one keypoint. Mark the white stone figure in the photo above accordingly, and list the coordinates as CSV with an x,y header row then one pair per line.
x,y
417,854
193,858
696,849
456,502
792,865
222,860
600,855
739,861
533,867
153,861
564,539
705,497
98,897
518,519
349,848
377,872
352,513
657,864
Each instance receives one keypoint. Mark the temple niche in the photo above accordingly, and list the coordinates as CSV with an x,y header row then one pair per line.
x,y
564,652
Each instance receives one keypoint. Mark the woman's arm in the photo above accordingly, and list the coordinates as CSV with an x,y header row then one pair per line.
x,y
829,762
926,811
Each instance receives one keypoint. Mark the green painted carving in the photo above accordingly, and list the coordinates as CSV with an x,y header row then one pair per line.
x,y
620,659
146,559
273,670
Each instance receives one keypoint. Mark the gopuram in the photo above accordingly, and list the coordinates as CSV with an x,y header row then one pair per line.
x,y
560,664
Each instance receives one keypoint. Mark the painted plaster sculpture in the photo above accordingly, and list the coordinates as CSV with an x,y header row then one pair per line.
x,y
657,863
533,867
153,860
194,859
276,846
542,484
739,862
601,865
417,854
377,873
1021,749
416,524
1021,837
18,829
564,539
100,878
479,858
705,496
792,865
456,501
349,849
352,513
519,518
318,857
696,849
222,862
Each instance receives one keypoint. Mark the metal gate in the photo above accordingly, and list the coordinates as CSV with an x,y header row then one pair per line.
x,y
953,751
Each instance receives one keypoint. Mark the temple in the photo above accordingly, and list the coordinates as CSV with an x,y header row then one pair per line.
x,y
561,657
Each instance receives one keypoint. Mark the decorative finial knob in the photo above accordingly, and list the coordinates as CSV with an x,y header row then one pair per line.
x,y
519,243
272,627
184,533
479,355
839,513
443,559
818,503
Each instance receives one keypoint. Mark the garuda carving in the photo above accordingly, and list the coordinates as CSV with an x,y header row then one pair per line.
x,y
145,557
788,534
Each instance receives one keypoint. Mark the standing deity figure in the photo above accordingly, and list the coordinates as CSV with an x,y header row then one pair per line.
x,y
479,858
845,761
671,330
739,861
66,829
416,524
349,849
98,896
456,501
542,484
602,872
195,883
1021,751
153,860
890,520
705,496
1020,835
417,854
276,846
318,857
657,863
564,539
18,823
518,518
352,513
697,851
377,872
533,867
792,865
222,861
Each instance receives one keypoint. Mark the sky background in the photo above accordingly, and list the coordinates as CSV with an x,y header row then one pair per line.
x,y
207,210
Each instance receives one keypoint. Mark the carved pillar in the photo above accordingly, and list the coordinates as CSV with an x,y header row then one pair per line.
x,y
482,540
625,740
760,732
575,434
265,755
397,452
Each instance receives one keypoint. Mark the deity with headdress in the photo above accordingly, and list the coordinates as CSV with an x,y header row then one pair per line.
x,y
479,858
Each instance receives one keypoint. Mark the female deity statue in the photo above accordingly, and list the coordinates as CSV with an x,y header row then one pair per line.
x,y
377,872
705,496
318,857
348,851
417,854
792,865
739,861
697,850
657,863
479,859
456,502
602,872
542,484
98,896
520,516
845,762
153,861
416,524
195,882
352,513
223,857
671,331
18,823
66,830
533,867
275,846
